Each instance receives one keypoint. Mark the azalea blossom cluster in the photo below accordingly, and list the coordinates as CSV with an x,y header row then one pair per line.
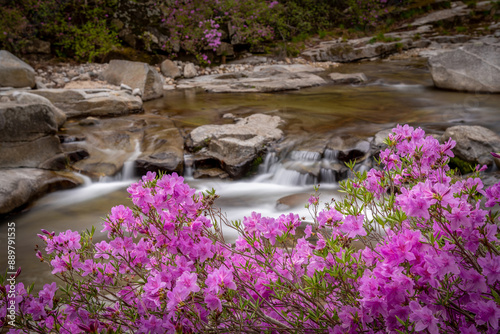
x,y
410,247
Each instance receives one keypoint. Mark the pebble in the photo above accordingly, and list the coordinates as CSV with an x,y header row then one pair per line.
x,y
137,92
125,87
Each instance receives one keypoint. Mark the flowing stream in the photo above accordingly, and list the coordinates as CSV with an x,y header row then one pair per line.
x,y
399,92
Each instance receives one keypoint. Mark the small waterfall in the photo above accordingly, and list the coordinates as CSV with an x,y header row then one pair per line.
x,y
86,180
291,177
128,170
327,175
330,155
288,171
188,166
305,156
270,161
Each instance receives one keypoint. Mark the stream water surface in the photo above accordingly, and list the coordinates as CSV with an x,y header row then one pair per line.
x,y
398,92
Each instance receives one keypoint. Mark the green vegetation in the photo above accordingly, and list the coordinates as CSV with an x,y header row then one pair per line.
x,y
461,166
384,39
79,29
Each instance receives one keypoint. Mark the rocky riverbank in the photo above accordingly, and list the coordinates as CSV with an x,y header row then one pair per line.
x,y
88,118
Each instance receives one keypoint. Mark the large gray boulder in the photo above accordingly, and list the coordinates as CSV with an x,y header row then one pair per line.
x,y
473,68
24,97
14,72
169,69
189,71
20,186
136,75
265,79
92,102
27,136
236,146
474,143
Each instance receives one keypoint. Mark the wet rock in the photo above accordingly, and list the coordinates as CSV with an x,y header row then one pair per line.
x,y
189,71
169,69
136,75
349,148
89,121
14,72
27,136
210,173
351,78
292,201
20,186
236,146
378,140
473,67
269,80
108,150
162,148
92,102
474,143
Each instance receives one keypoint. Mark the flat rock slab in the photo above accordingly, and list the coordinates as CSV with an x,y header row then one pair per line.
x,y
359,49
20,186
441,15
460,10
267,79
473,68
293,68
92,102
14,72
261,125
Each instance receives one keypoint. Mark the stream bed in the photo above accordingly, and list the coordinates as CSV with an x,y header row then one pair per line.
x,y
398,92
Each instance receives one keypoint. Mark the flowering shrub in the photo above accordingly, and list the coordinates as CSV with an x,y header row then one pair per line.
x,y
198,26
426,259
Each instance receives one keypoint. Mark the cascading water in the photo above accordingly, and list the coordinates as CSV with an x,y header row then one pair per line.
x,y
128,170
301,168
